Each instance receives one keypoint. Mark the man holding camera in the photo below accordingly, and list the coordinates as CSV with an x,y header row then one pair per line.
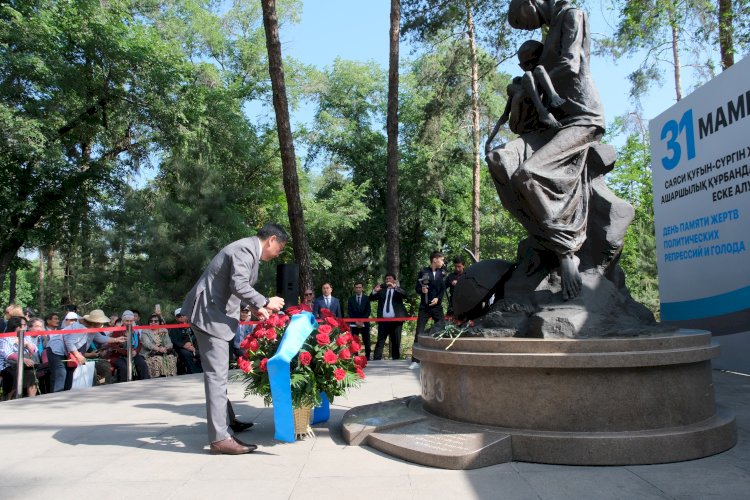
x,y
430,287
390,299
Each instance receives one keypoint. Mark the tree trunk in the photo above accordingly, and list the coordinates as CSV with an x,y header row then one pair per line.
x,y
8,251
42,282
12,285
393,258
726,33
475,199
676,53
284,130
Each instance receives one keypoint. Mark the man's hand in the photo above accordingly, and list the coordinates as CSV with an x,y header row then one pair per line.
x,y
262,313
434,301
28,362
80,358
275,304
377,288
454,282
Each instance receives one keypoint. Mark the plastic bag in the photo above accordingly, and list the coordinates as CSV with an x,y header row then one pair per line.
x,y
83,376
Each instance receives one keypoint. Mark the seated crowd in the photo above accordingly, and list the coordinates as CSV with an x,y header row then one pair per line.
x,y
50,360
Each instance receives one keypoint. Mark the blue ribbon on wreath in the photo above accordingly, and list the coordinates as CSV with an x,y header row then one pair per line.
x,y
299,328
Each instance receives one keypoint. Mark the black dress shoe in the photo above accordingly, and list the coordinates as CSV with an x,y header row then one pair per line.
x,y
238,426
251,447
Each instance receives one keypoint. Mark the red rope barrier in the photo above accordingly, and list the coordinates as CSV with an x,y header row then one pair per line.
x,y
32,333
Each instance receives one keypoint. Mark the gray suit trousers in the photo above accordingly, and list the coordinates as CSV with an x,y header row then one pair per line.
x,y
215,360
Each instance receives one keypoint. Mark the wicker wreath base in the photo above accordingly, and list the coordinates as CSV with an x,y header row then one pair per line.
x,y
302,418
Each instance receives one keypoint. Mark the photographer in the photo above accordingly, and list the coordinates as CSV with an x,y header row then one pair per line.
x,y
430,287
390,299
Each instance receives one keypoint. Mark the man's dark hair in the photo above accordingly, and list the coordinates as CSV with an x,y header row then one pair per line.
x,y
13,323
435,255
49,316
358,283
389,274
273,229
458,260
136,311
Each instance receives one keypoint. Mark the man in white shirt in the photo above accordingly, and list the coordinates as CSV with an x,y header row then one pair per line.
x,y
390,299
327,301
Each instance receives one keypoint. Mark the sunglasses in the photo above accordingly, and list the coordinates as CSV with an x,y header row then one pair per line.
x,y
308,294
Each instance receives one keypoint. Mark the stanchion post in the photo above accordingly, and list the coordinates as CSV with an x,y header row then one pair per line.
x,y
129,335
19,367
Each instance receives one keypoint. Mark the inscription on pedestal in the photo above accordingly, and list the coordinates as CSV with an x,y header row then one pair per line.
x,y
442,443
433,388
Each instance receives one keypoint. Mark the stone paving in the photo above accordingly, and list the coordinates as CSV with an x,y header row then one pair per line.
x,y
147,439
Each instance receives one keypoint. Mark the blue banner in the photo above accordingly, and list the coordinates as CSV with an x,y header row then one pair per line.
x,y
300,327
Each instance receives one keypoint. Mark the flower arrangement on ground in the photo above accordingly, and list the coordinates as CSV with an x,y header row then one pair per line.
x,y
328,362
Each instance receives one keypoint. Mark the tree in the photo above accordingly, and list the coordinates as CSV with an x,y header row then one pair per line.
x,y
428,20
284,130
662,31
392,220
87,89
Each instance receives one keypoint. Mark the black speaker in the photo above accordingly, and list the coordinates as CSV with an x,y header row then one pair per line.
x,y
287,283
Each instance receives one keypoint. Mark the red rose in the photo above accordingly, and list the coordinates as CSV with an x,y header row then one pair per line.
x,y
245,365
326,329
253,345
292,310
323,339
360,361
355,347
305,358
339,374
273,320
331,320
345,354
341,340
259,332
344,326
360,373
246,342
325,313
263,363
330,357
271,334
283,321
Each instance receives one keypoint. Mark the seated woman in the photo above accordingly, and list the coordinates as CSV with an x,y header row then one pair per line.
x,y
9,360
156,347
118,355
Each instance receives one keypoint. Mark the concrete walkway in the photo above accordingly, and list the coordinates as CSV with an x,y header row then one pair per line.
x,y
147,439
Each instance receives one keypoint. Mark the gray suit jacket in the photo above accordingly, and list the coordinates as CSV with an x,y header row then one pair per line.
x,y
213,304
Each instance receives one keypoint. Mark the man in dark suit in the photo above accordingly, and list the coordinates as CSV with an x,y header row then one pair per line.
x,y
212,308
359,307
390,299
327,301
430,287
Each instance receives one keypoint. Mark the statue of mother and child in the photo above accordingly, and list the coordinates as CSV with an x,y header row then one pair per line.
x,y
551,179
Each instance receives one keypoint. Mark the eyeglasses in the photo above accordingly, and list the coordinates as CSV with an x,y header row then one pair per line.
x,y
308,293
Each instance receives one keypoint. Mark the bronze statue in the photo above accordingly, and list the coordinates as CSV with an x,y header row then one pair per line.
x,y
551,179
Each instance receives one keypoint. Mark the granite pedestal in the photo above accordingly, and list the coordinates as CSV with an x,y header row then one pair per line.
x,y
599,401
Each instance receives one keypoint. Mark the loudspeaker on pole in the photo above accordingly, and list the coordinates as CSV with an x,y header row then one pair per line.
x,y
287,283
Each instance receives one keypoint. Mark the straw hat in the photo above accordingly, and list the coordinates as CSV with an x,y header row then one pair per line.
x,y
96,316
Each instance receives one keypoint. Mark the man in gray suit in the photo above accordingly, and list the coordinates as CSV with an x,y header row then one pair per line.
x,y
212,308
